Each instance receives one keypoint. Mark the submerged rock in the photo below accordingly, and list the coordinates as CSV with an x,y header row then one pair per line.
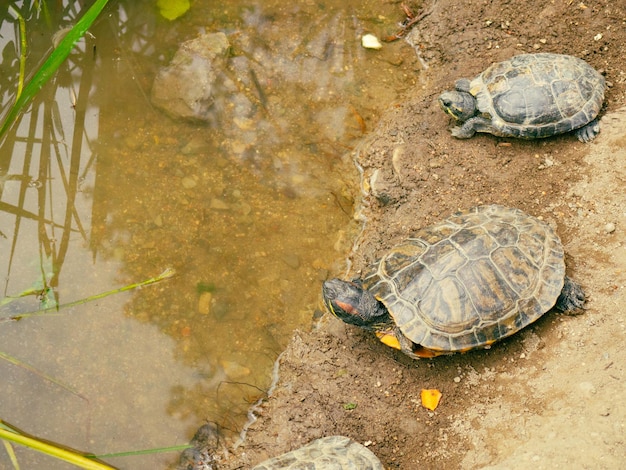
x,y
185,88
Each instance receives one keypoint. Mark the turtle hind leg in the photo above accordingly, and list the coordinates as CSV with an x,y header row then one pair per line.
x,y
572,298
473,125
588,132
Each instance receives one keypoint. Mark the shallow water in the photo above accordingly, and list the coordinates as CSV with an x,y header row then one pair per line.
x,y
99,190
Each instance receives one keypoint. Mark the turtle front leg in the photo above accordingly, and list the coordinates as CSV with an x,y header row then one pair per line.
x,y
473,125
589,132
462,84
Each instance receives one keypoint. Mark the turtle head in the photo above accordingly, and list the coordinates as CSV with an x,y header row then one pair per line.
x,y
353,304
461,105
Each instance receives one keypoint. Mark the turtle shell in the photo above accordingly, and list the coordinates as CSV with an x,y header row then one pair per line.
x,y
474,278
333,452
539,95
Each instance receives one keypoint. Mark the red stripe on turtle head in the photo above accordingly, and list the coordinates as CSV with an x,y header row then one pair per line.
x,y
346,307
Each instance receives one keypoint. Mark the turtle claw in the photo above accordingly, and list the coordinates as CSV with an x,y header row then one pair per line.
x,y
460,133
456,132
589,132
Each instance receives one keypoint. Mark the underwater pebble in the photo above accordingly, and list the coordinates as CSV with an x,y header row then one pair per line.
x,y
195,145
219,205
245,124
292,260
234,370
369,41
189,183
245,208
119,253
609,228
204,303
185,88
322,274
133,142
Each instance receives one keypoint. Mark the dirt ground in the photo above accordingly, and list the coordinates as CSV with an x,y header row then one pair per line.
x,y
552,396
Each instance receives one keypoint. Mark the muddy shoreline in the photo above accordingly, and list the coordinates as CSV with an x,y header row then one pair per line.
x,y
552,395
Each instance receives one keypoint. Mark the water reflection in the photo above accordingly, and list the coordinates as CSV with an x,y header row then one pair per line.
x,y
100,190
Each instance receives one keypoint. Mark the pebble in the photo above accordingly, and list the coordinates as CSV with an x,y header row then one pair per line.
x,y
233,370
219,205
189,182
587,388
547,163
379,186
195,145
133,141
457,379
292,260
245,124
609,228
396,158
204,303
322,274
369,41
245,208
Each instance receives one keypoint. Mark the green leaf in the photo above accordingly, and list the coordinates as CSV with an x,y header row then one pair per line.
x,y
172,9
52,63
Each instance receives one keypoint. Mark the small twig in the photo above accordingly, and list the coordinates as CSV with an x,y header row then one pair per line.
x,y
410,21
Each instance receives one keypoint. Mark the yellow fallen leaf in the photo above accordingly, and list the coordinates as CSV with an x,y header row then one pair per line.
x,y
430,398
172,9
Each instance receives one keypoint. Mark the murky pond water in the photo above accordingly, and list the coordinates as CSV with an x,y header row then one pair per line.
x,y
99,190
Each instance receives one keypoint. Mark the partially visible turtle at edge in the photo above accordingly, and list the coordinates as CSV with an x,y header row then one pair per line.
x,y
326,453
472,279
529,96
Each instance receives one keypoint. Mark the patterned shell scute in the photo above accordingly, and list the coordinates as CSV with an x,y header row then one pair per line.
x,y
327,453
475,277
535,95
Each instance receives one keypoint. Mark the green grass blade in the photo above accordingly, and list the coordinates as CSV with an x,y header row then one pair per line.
x,y
52,63
23,50
54,451
44,376
9,448
159,450
168,273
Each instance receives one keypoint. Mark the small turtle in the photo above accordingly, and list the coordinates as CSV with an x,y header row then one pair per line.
x,y
327,453
476,277
529,96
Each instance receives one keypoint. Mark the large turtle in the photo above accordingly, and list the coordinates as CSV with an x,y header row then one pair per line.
x,y
529,96
476,277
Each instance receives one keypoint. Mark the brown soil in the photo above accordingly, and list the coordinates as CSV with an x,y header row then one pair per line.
x,y
554,395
